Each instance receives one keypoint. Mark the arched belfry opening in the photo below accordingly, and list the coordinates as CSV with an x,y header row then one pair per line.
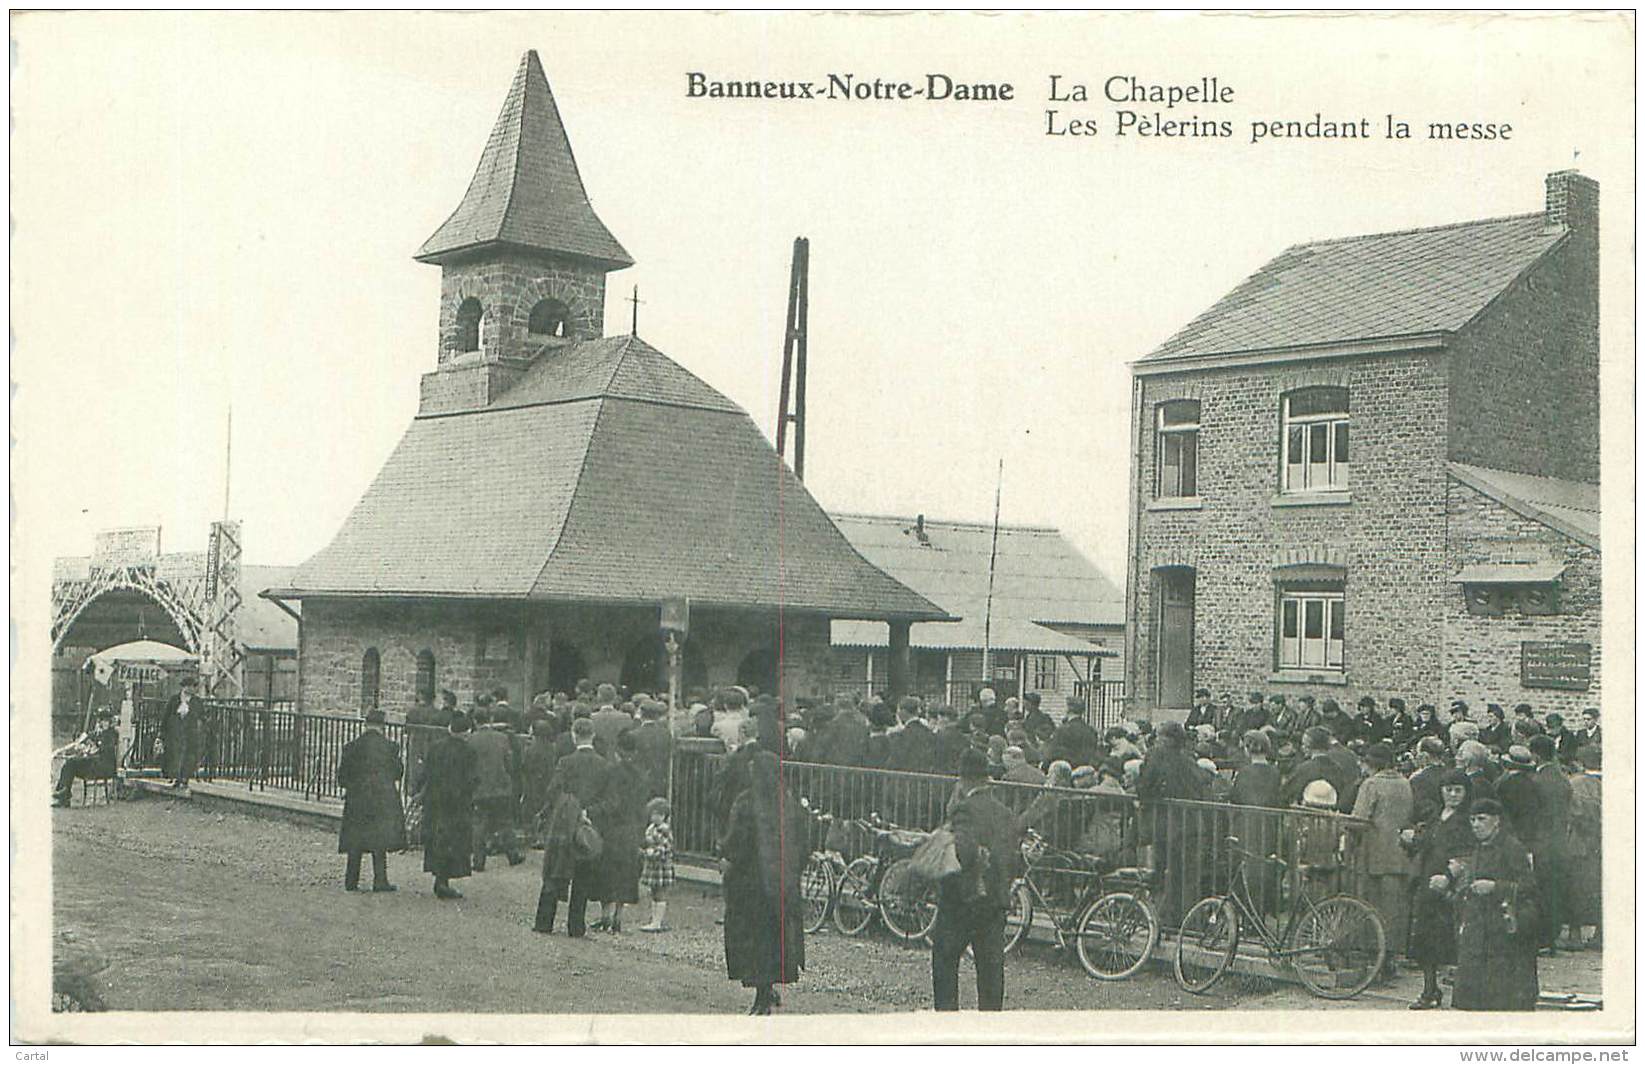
x,y
469,313
549,318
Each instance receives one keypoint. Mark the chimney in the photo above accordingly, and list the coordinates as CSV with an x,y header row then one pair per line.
x,y
1573,201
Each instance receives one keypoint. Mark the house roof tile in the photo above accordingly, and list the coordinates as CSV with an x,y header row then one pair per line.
x,y
1570,508
1380,286
527,191
609,473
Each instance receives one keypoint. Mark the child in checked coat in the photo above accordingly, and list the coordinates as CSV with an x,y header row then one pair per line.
x,y
658,871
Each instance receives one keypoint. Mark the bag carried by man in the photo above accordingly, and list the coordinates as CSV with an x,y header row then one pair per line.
x,y
935,858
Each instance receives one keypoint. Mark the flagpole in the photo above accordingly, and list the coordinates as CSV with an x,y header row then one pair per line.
x,y
993,554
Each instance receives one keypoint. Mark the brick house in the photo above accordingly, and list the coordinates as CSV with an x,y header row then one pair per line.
x,y
1056,626
1454,551
558,487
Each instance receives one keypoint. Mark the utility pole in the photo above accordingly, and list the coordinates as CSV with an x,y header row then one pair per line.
x,y
794,356
993,554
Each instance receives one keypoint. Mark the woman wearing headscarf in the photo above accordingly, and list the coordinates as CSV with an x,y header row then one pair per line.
x,y
1434,843
765,849
1497,920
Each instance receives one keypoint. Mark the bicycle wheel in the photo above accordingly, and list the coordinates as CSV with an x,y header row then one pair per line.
x,y
1206,943
853,906
1338,947
1019,916
1115,935
817,891
908,904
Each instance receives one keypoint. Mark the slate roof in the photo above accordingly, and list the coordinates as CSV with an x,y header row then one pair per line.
x,y
526,191
1385,285
1570,508
1040,579
608,473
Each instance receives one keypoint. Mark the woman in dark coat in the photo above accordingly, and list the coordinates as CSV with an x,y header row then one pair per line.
x,y
1497,922
620,819
451,777
369,771
1433,917
765,849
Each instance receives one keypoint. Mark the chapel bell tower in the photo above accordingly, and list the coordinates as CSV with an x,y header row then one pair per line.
x,y
522,259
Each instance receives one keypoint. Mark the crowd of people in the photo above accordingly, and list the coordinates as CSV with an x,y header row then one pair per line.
x,y
1482,850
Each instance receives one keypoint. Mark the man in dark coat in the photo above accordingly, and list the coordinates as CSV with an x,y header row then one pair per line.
x,y
973,902
993,714
1168,772
914,748
451,774
765,848
1316,765
1519,795
99,754
494,795
180,731
1036,722
1348,765
1431,769
1372,725
654,746
537,770
1203,713
951,741
1335,721
1255,715
369,771
1547,839
845,737
582,776
1075,741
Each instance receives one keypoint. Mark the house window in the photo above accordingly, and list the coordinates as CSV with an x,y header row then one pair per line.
x,y
371,679
1177,438
468,325
425,676
548,318
1045,673
1310,630
1314,440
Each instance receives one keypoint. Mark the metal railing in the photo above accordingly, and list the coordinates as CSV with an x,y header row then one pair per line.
x,y
1186,842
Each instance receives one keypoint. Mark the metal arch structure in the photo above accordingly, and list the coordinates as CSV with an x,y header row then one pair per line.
x,y
70,598
202,598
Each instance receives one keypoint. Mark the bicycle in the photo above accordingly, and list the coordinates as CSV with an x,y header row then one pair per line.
x,y
880,883
1336,946
1113,923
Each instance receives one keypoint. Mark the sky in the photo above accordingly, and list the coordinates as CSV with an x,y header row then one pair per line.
x,y
219,210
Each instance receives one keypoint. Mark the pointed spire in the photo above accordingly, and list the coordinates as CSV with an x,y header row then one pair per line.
x,y
526,192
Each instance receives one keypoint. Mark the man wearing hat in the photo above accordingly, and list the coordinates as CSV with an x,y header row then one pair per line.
x,y
1075,741
1385,800
1371,726
1517,791
368,771
1037,723
180,731
1547,838
451,774
1203,712
971,913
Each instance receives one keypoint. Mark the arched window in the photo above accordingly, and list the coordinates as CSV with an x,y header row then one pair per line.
x,y
549,318
371,679
468,325
425,676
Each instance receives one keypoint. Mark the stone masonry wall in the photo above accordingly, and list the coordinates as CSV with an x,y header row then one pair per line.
x,y
1389,535
508,286
1482,654
479,646
1525,374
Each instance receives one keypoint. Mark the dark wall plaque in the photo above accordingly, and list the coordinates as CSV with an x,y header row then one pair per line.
x,y
1547,664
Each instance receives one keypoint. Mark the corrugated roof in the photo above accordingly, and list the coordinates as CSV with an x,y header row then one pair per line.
x,y
527,191
1040,579
1370,287
608,473
1568,507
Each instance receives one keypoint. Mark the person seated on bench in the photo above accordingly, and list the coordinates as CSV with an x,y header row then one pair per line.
x,y
92,757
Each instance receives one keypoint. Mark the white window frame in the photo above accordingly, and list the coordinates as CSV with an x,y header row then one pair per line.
x,y
1296,649
1313,474
1174,433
